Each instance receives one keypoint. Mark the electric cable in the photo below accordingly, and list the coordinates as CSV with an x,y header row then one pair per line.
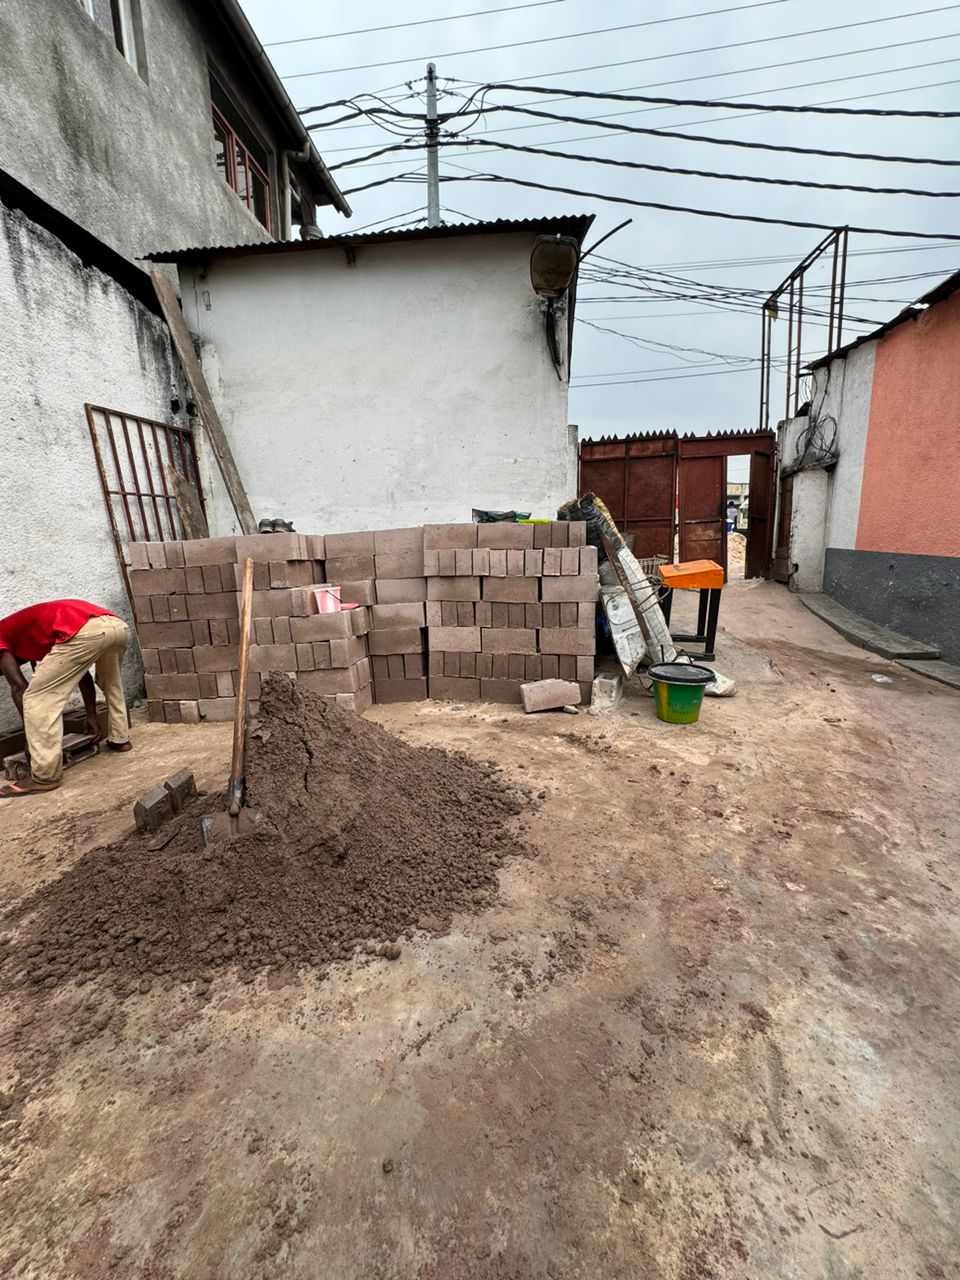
x,y
421,22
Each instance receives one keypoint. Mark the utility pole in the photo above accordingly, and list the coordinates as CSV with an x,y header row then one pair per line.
x,y
433,134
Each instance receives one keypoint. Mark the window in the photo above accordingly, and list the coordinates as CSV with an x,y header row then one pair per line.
x,y
242,162
119,19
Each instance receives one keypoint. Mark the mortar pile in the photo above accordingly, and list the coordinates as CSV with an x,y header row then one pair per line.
x,y
364,839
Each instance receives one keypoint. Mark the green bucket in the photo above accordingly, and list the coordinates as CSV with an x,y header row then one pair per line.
x,y
678,690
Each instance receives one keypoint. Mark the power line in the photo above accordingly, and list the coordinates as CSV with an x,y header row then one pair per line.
x,y
703,213
676,377
573,35
682,53
694,173
729,103
422,22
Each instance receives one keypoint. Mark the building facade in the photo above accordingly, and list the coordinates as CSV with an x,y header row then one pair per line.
x,y
870,507
388,379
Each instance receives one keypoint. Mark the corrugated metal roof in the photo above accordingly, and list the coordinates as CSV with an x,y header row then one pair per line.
x,y
576,225
939,293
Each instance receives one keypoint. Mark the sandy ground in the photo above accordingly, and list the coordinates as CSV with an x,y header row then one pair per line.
x,y
709,1031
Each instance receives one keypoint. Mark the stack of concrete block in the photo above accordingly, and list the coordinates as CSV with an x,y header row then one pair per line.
x,y
507,604
186,599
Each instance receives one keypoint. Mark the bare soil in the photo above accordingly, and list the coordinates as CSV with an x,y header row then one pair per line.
x,y
706,1030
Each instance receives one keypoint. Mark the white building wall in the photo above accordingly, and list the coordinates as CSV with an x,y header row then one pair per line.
x,y
71,336
842,393
408,387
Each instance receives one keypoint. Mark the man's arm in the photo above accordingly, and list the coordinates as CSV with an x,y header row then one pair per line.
x,y
15,678
89,694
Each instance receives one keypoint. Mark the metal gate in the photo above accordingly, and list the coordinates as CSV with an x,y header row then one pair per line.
x,y
637,479
659,485
781,559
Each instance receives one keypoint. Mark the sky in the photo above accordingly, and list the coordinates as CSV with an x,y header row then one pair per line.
x,y
643,362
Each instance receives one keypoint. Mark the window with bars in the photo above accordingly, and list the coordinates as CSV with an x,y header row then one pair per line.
x,y
141,465
242,161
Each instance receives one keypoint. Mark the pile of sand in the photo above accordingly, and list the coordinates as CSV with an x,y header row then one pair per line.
x,y
364,839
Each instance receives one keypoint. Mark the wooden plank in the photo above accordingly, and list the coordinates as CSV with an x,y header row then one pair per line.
x,y
170,306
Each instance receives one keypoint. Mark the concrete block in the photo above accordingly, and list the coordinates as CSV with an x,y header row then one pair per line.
x,y
513,590
304,654
500,690
517,616
165,635
160,607
153,809
171,712
400,690
271,604
383,616
568,666
290,573
560,533
583,587
316,546
362,592
181,785
414,665
217,710
156,557
516,666
454,588
569,561
433,613
498,563
532,667
177,688
589,559
212,581
264,547
178,608
157,582
585,669
221,605
201,551
224,685
189,712
505,535
138,555
451,665
168,662
484,665
173,553
397,541
207,683
447,563
454,639
549,666
541,535
281,631
143,609
568,640
399,564
193,578
214,658
463,561
439,537
200,630
184,660
533,563
448,613
346,652
480,562
533,616
431,563
546,695
568,613
400,590
151,661
515,561
483,613
327,626
155,711
577,533
322,660
586,613
359,702
262,630
552,561
352,568
446,689
379,667
337,679
396,640
350,544
395,667
435,664
507,640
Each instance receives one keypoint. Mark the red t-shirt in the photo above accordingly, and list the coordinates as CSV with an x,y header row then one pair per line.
x,y
31,633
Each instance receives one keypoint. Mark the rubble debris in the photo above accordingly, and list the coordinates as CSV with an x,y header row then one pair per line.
x,y
363,835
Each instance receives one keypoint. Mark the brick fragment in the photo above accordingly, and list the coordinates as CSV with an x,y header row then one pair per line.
x,y
546,695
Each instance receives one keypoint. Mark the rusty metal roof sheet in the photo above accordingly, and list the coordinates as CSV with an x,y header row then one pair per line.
x,y
575,225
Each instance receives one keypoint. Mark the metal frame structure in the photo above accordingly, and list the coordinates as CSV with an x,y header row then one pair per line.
x,y
792,289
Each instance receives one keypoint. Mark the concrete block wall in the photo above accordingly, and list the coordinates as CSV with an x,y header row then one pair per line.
x,y
444,611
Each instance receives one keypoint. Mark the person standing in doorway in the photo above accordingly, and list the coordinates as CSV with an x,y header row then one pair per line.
x,y
732,512
62,639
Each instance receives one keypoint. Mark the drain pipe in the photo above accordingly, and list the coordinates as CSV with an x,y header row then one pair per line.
x,y
299,157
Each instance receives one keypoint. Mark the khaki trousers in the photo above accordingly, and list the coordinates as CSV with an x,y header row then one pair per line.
x,y
102,641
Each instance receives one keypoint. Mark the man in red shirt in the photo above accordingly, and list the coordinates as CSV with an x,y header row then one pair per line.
x,y
62,639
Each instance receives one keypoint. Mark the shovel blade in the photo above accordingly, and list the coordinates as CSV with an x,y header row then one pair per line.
x,y
221,826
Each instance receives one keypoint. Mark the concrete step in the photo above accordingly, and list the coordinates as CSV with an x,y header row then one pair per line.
x,y
868,635
945,672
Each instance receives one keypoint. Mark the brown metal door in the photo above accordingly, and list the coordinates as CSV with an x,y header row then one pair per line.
x,y
703,528
637,479
760,513
781,559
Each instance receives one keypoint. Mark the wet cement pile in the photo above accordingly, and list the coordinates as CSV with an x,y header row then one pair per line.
x,y
364,838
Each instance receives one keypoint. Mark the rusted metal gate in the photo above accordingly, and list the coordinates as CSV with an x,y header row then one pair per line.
x,y
637,479
659,485
781,558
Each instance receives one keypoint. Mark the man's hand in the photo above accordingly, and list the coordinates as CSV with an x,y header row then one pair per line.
x,y
14,677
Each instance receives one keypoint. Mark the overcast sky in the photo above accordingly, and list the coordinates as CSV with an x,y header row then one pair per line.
x,y
755,52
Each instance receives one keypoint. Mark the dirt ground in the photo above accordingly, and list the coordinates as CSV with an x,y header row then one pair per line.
x,y
708,1031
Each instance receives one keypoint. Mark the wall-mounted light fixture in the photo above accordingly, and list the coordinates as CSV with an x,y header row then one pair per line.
x,y
553,264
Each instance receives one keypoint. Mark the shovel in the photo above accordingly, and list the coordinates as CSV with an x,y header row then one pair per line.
x,y
237,819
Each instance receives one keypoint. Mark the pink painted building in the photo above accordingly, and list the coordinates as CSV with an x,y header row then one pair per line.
x,y
870,494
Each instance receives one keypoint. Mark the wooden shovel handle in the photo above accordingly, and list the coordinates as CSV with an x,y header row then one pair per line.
x,y
240,710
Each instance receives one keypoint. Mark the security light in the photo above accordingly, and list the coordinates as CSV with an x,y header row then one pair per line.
x,y
553,264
